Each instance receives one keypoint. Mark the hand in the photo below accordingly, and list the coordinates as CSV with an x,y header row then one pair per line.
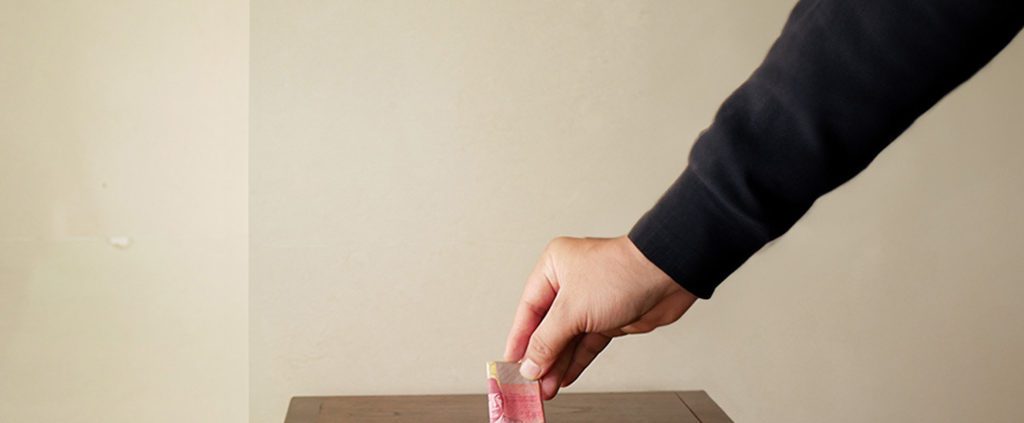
x,y
582,293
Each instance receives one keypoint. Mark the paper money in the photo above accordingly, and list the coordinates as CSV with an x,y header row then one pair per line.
x,y
511,398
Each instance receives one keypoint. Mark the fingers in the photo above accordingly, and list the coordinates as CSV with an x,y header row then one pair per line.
x,y
537,298
613,333
552,337
640,326
550,383
589,346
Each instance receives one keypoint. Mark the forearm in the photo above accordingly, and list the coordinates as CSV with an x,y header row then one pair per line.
x,y
844,79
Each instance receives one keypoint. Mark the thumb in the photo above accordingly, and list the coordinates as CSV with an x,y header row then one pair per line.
x,y
547,342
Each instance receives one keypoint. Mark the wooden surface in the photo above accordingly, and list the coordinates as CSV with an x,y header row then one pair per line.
x,y
646,407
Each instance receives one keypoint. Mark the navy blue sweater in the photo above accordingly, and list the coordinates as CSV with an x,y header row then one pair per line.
x,y
843,80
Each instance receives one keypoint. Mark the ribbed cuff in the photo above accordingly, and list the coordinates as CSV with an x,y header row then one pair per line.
x,y
691,236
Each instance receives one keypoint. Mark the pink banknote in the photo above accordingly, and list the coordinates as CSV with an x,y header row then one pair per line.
x,y
511,397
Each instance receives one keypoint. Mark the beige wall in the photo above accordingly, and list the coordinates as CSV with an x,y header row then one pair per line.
x,y
408,163
123,119
410,160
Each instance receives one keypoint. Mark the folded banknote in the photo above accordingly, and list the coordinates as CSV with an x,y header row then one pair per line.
x,y
512,398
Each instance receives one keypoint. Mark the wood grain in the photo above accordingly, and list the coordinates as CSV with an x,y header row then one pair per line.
x,y
638,407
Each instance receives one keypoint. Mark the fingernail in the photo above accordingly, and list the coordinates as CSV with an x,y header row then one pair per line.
x,y
529,369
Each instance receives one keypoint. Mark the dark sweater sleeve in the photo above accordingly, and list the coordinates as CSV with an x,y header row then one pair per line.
x,y
843,80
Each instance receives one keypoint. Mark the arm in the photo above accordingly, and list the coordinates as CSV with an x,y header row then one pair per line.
x,y
843,80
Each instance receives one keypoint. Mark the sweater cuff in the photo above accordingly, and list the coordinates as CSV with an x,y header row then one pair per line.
x,y
695,238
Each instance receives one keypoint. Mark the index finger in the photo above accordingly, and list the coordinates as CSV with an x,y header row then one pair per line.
x,y
538,295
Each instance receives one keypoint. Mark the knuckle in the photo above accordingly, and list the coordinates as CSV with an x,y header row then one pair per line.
x,y
558,242
534,308
551,244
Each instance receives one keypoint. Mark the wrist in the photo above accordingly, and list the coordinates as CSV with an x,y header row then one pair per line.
x,y
647,270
